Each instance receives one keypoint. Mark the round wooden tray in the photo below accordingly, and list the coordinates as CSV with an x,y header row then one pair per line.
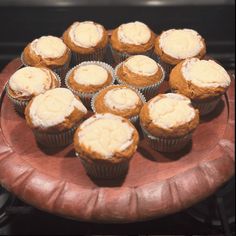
x,y
157,184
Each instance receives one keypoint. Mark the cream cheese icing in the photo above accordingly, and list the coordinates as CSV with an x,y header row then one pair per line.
x,y
181,43
90,74
106,134
52,107
86,34
143,65
48,47
205,73
30,81
136,33
121,98
170,110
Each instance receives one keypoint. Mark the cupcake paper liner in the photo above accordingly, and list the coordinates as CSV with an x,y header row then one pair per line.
x,y
86,97
20,104
60,70
206,108
55,139
105,171
96,56
121,56
167,67
133,119
148,91
166,144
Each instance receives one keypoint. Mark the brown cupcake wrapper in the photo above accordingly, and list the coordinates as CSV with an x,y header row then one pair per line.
x,y
20,104
122,56
55,139
148,91
105,171
99,55
60,70
207,107
133,119
87,97
170,144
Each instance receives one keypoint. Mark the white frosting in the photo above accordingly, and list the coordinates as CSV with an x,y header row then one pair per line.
x,y
134,33
52,107
121,98
30,81
86,34
48,47
90,75
142,65
106,134
170,110
181,43
205,73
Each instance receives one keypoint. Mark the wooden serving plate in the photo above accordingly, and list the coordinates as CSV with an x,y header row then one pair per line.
x,y
157,184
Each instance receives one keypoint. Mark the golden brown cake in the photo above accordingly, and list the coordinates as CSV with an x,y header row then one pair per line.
x,y
203,81
105,143
168,121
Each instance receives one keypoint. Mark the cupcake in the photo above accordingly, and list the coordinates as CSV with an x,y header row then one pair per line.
x,y
47,51
176,45
105,143
131,39
142,73
119,100
87,78
28,82
203,81
54,116
168,121
87,40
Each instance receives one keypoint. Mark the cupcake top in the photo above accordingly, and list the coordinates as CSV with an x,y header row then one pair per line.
x,y
142,65
181,43
119,100
169,115
86,34
31,81
89,77
48,47
170,110
205,73
134,33
106,134
53,107
139,71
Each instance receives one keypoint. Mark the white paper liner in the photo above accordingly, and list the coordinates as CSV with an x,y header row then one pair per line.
x,y
133,119
148,91
60,70
122,56
100,170
86,97
98,55
207,107
167,67
20,104
170,144
55,139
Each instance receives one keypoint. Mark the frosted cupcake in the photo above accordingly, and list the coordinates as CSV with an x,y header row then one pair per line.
x,y
130,39
47,51
140,72
203,81
176,45
88,78
54,116
28,82
87,40
168,121
105,144
119,100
